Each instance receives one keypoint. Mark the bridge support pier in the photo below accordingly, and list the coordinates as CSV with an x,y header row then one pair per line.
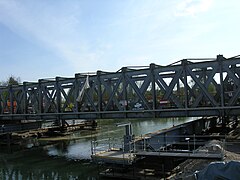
x,y
8,135
57,122
224,120
60,122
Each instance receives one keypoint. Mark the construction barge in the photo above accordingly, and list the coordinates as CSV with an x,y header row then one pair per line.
x,y
155,155
17,133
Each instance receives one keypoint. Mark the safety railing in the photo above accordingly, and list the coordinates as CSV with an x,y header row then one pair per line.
x,y
191,144
197,146
106,144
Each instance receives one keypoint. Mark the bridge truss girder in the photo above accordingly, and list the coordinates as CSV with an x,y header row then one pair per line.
x,y
187,88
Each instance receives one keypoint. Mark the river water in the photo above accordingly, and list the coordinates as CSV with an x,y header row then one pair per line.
x,y
69,156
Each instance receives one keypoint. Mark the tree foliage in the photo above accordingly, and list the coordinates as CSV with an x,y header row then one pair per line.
x,y
11,80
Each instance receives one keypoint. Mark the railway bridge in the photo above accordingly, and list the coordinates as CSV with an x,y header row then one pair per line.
x,y
187,88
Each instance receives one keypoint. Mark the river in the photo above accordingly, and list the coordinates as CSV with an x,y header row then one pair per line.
x,y
69,156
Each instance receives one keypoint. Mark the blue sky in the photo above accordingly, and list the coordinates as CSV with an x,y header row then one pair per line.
x,y
48,38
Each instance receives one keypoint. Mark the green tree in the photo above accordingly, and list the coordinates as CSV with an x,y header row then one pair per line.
x,y
11,80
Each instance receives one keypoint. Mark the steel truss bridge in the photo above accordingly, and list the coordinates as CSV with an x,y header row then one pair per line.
x,y
190,87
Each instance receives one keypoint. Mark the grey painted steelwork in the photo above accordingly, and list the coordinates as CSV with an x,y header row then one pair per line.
x,y
186,88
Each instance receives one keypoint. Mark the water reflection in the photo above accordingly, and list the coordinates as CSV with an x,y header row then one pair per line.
x,y
80,145
66,159
72,150
36,164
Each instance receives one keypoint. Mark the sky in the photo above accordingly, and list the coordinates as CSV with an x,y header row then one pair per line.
x,y
49,38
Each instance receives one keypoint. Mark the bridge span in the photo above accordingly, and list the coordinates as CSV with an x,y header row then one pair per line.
x,y
189,87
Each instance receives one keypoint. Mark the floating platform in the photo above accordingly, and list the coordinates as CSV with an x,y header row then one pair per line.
x,y
119,157
156,154
114,157
196,155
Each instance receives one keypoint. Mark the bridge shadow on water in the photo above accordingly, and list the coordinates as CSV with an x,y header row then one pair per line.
x,y
36,164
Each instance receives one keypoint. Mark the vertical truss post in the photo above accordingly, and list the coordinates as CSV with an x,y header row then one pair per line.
x,y
234,70
99,84
152,67
11,99
184,64
25,103
76,85
178,90
204,82
40,97
220,64
58,91
204,75
58,101
124,70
